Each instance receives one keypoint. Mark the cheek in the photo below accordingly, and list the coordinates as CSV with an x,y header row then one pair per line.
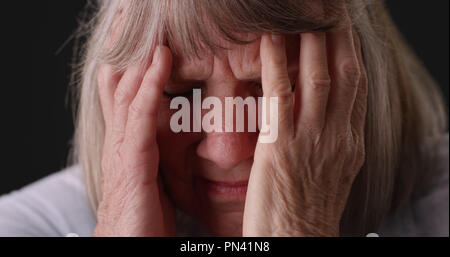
x,y
174,148
176,155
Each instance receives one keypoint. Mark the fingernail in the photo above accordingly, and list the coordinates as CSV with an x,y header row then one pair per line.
x,y
277,39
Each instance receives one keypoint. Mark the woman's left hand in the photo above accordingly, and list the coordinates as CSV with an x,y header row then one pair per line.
x,y
299,184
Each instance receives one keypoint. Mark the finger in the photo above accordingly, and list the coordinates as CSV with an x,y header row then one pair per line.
x,y
359,111
107,77
275,79
143,111
313,82
123,96
345,75
107,80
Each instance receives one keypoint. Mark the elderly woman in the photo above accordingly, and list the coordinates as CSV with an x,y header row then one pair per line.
x,y
361,140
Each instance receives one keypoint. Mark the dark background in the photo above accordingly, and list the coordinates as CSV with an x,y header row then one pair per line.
x,y
46,138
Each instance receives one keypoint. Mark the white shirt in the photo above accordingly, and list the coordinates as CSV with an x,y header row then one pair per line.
x,y
57,206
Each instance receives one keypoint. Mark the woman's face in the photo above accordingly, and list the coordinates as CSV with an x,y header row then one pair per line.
x,y
206,173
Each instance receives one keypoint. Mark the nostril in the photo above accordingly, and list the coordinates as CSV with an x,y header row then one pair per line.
x,y
227,150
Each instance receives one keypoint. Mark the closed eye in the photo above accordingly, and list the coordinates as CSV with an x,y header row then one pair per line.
x,y
169,95
173,90
188,93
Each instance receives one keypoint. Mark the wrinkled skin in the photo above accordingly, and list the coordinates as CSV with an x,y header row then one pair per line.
x,y
297,186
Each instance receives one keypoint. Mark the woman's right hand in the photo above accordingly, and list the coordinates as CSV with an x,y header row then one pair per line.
x,y
133,200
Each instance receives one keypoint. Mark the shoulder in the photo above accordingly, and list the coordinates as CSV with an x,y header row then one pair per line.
x,y
428,211
53,206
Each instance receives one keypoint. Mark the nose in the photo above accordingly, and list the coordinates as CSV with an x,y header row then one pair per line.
x,y
228,149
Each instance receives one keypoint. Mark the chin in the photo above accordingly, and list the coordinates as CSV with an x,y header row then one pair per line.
x,y
226,224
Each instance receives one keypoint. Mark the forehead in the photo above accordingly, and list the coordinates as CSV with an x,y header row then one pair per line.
x,y
242,60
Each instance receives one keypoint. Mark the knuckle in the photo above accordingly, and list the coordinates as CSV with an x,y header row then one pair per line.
x,y
277,62
278,84
134,110
320,81
278,73
120,96
350,73
281,81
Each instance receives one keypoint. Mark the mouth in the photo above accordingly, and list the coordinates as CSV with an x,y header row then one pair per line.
x,y
225,190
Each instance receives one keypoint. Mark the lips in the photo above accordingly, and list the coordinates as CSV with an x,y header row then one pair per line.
x,y
226,188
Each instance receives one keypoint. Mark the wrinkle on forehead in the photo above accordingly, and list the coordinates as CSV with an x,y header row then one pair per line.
x,y
243,60
192,68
